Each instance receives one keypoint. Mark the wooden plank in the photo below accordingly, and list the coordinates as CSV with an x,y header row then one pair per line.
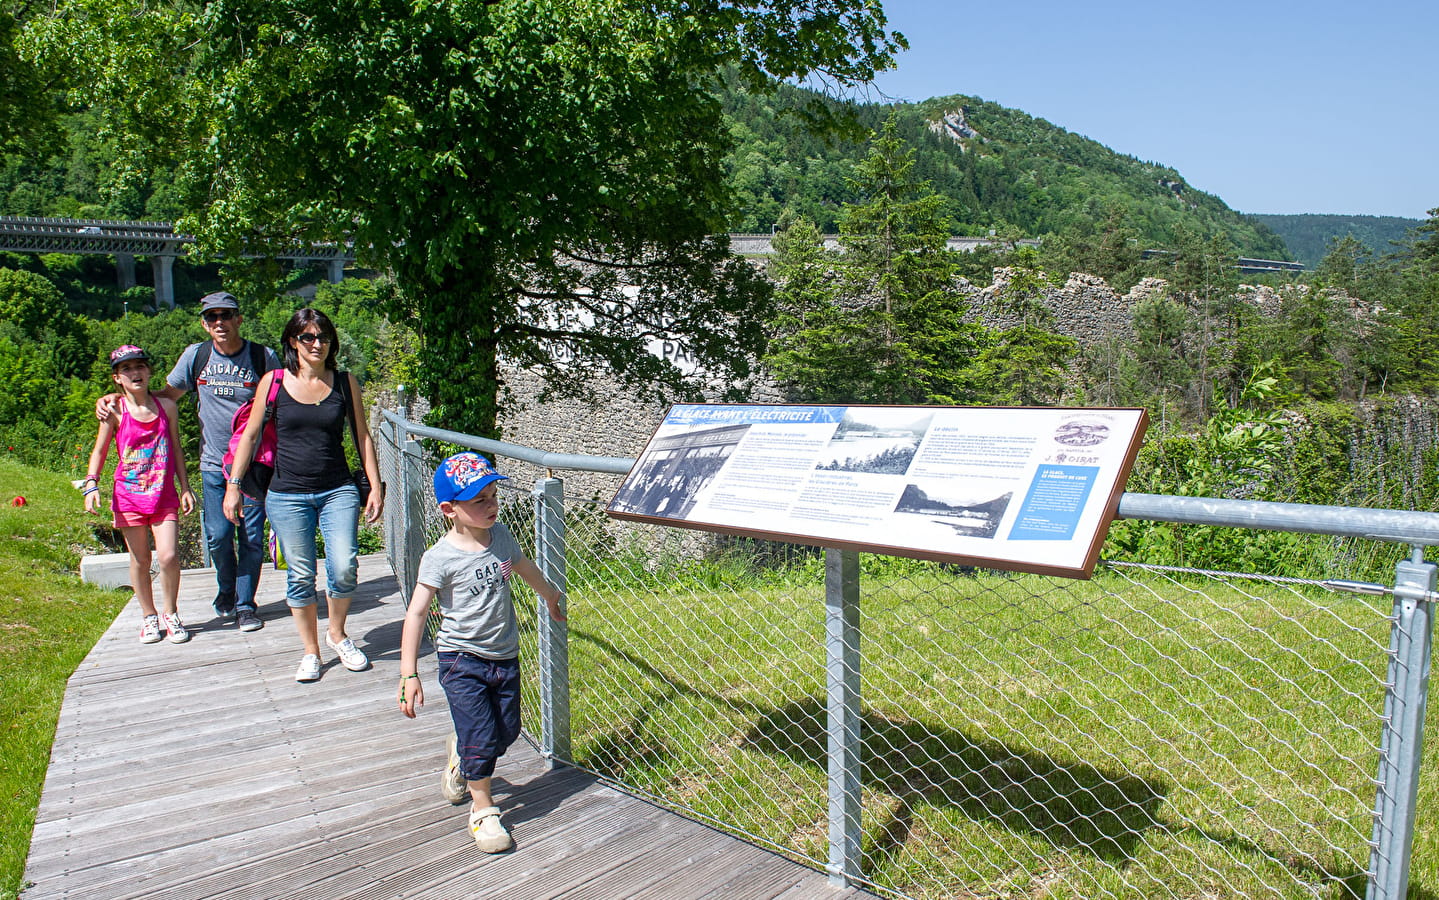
x,y
203,770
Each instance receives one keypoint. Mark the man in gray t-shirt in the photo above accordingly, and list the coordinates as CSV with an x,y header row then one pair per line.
x,y
223,372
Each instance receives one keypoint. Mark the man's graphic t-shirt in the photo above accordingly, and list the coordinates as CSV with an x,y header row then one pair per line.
x,y
220,388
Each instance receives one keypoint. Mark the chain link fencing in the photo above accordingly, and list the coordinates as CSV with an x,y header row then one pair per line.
x,y
1150,732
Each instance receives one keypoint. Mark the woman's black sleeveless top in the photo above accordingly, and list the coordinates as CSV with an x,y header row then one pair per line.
x,y
309,443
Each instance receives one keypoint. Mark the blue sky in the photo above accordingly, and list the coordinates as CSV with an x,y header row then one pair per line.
x,y
1319,107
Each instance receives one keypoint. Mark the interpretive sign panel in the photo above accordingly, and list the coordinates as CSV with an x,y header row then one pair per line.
x,y
1014,488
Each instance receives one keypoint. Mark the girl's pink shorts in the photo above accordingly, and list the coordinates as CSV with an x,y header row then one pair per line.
x,y
131,520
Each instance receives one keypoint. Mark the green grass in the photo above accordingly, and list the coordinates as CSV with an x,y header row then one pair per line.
x,y
1128,736
49,620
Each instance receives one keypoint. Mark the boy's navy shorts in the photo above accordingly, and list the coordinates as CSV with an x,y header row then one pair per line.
x,y
484,696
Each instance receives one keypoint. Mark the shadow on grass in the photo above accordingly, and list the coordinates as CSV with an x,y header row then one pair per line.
x,y
1071,805
1066,803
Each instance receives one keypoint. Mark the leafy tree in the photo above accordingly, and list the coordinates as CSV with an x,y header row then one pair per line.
x,y
541,177
37,310
1109,248
1341,266
28,93
1204,271
802,353
1307,338
1423,249
1025,365
1162,329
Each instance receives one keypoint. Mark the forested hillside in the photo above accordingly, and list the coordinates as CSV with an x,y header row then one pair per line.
x,y
1012,173
1309,237
996,168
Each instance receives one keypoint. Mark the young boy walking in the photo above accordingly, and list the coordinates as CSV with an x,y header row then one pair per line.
x,y
477,644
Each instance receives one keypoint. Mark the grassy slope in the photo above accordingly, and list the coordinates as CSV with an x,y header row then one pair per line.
x,y
49,620
1225,740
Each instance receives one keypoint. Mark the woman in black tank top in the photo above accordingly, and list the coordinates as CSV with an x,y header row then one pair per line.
x,y
312,487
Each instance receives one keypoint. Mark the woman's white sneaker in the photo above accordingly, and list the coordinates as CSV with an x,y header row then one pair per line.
x,y
309,669
351,657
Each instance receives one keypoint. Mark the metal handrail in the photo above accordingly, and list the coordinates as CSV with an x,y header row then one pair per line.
x,y
1393,525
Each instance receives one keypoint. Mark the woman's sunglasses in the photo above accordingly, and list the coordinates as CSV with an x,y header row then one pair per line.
x,y
307,338
219,315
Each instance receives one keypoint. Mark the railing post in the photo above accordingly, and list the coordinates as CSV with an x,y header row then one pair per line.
x,y
1402,739
842,660
554,647
410,454
397,496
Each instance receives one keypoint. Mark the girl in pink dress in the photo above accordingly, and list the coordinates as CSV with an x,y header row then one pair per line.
x,y
147,442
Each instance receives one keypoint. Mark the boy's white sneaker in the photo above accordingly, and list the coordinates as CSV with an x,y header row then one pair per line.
x,y
309,669
453,785
150,630
351,657
176,628
489,831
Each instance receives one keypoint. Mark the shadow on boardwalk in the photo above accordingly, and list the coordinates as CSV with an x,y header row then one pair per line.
x,y
204,770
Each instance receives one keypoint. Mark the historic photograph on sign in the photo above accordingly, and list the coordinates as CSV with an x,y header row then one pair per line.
x,y
674,469
875,439
1028,489
945,505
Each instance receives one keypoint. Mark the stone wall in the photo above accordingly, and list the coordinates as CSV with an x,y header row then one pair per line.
x,y
1085,308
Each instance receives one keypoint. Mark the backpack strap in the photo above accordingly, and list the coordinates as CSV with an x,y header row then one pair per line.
x,y
197,365
274,389
257,358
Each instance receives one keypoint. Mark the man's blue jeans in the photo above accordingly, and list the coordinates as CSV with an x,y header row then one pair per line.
x,y
236,551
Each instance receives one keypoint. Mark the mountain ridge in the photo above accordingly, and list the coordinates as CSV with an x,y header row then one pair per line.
x,y
997,168
1308,235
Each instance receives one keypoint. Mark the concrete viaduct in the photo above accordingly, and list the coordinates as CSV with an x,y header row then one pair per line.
x,y
126,240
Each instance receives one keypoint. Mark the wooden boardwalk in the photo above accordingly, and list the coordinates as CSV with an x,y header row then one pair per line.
x,y
204,770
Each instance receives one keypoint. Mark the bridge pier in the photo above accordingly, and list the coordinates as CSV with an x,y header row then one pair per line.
x,y
125,270
164,280
336,270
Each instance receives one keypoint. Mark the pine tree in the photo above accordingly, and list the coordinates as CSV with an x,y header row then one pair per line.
x,y
899,283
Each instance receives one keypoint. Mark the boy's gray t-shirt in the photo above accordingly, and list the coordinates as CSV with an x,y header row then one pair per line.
x,y
225,383
478,612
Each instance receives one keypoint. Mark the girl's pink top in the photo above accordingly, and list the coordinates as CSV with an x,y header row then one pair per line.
x,y
145,474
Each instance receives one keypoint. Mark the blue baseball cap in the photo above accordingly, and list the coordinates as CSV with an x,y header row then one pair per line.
x,y
463,476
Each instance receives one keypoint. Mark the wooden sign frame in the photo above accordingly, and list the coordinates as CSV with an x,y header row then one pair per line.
x,y
1028,489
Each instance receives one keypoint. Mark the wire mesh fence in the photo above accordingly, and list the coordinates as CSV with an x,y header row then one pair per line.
x,y
1150,732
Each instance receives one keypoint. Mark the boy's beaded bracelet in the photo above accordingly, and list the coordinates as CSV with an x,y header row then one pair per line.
x,y
406,677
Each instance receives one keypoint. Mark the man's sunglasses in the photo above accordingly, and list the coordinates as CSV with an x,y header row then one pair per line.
x,y
306,338
219,315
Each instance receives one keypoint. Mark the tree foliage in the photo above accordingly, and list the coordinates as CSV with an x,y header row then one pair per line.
x,y
882,321
29,91
541,177
1309,237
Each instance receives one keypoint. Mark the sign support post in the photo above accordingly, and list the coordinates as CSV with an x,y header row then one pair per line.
x,y
841,590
